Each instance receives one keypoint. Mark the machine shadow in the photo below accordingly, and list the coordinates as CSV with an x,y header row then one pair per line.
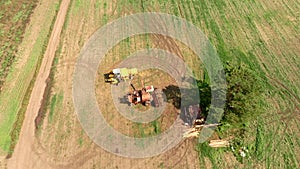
x,y
192,103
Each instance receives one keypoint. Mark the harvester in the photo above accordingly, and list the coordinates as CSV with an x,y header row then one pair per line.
x,y
145,96
119,74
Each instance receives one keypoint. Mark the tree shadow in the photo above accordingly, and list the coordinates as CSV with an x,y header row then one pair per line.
x,y
187,96
193,103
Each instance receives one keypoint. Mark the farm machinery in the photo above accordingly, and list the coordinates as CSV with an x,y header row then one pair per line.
x,y
145,96
119,74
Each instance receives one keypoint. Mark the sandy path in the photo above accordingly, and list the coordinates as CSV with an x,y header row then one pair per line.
x,y
23,156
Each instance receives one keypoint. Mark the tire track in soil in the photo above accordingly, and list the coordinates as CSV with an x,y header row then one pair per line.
x,y
294,99
68,162
24,156
185,142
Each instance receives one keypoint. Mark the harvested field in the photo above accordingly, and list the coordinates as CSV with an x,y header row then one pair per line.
x,y
262,34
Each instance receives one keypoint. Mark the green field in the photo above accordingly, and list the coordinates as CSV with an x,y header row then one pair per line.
x,y
19,82
13,19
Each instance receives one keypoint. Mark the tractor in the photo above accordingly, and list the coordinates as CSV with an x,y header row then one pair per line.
x,y
119,74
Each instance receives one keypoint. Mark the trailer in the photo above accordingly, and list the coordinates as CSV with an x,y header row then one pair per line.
x,y
119,74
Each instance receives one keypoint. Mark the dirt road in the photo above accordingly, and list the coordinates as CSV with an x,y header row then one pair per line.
x,y
23,156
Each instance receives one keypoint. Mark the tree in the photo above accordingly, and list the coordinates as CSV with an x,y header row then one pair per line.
x,y
243,96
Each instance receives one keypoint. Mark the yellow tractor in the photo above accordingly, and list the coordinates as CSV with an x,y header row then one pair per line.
x,y
120,74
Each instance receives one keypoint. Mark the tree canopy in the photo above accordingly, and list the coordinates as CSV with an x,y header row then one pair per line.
x,y
243,95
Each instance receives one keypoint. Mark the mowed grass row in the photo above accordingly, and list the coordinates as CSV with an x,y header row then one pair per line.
x,y
236,35
250,40
240,31
19,79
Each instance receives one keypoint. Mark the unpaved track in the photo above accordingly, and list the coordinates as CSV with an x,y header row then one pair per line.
x,y
23,156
